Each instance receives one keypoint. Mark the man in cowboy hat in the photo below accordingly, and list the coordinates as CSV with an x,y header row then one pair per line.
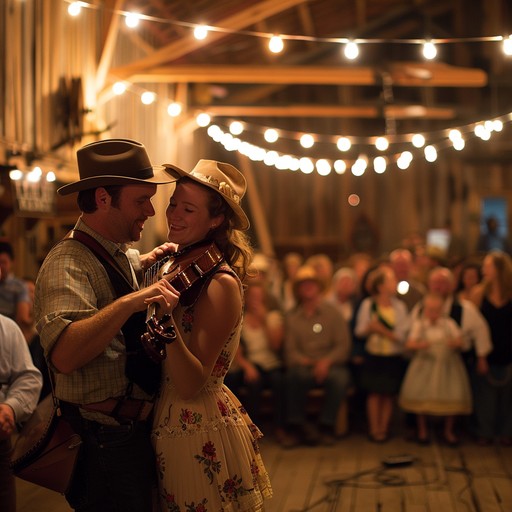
x,y
85,318
317,347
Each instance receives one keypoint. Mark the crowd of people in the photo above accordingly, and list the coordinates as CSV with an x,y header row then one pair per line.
x,y
161,361
409,336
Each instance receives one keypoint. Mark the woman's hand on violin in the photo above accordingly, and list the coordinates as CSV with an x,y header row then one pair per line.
x,y
150,258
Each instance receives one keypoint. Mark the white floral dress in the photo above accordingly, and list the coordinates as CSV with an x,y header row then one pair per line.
x,y
208,459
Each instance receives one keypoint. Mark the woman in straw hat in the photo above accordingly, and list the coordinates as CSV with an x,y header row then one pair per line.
x,y
206,445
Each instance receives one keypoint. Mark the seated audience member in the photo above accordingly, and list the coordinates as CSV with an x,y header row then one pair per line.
x,y
343,293
20,385
14,295
383,320
493,389
436,381
258,359
324,268
292,261
361,262
317,347
263,270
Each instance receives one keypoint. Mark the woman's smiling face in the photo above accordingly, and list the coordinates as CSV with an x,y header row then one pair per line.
x,y
188,216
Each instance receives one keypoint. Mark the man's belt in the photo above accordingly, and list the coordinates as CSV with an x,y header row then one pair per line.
x,y
123,408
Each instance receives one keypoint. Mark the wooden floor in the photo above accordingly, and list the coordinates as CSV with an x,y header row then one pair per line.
x,y
350,477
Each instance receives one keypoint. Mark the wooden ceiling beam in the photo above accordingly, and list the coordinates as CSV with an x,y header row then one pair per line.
x,y
177,49
332,111
402,74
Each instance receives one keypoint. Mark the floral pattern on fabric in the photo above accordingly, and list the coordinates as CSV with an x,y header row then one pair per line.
x,y
209,460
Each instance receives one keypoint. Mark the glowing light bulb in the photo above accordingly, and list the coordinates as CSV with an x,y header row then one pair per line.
x,y
203,119
429,50
200,32
343,144
174,109
323,167
306,165
379,164
340,166
351,50
132,19
119,88
307,141
382,143
148,97
418,141
74,8
276,45
430,154
507,45
271,135
236,127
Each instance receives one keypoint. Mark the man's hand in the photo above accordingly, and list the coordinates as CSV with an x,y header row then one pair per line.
x,y
150,258
6,421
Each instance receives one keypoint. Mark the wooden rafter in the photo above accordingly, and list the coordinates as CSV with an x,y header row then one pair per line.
x,y
407,74
176,49
332,111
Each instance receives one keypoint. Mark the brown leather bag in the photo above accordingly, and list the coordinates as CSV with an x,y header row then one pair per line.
x,y
46,449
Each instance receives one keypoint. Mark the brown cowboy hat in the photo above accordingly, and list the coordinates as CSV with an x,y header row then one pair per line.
x,y
306,273
225,179
114,162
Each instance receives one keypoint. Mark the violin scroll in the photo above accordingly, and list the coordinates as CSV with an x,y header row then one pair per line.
x,y
157,337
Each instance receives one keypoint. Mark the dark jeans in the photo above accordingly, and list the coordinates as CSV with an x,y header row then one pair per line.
x,y
272,379
115,470
7,484
493,402
300,380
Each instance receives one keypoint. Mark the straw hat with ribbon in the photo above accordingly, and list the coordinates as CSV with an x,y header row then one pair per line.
x,y
225,179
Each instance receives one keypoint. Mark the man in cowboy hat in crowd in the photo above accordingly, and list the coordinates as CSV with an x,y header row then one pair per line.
x,y
317,346
83,314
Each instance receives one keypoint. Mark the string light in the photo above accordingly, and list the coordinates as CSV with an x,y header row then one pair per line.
x,y
351,50
276,45
271,135
382,143
200,32
343,144
482,130
74,8
174,109
236,127
429,50
307,141
507,45
132,20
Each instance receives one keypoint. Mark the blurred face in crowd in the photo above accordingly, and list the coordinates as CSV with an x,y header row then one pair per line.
x,y
433,307
5,265
489,270
441,282
470,277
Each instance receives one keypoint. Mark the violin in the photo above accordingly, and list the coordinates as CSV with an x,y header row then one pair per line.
x,y
183,269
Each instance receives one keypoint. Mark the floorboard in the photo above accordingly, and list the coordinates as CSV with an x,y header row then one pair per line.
x,y
351,477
